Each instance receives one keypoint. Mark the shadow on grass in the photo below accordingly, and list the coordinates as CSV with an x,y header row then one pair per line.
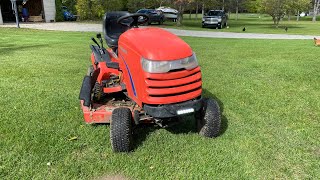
x,y
266,24
141,132
6,48
184,125
188,123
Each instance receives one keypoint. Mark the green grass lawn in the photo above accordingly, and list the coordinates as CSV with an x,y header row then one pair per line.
x,y
269,91
254,23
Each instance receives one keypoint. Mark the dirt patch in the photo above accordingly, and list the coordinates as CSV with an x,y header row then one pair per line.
x,y
113,177
317,152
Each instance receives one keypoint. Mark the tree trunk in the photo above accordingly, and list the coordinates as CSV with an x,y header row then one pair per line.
x,y
223,5
197,11
237,13
315,10
298,16
237,10
202,10
180,16
276,21
289,17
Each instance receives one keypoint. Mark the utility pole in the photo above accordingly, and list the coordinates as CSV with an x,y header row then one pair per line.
x,y
15,10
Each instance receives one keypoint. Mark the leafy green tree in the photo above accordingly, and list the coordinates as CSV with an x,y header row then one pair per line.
x,y
296,6
134,5
59,14
302,5
181,5
95,9
235,6
71,4
275,8
102,6
84,9
208,4
253,6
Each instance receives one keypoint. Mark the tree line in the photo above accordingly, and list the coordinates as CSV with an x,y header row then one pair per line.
x,y
277,9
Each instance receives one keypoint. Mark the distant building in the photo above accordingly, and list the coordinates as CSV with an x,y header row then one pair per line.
x,y
37,10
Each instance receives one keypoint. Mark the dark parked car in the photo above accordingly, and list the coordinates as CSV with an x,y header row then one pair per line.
x,y
67,15
215,18
154,15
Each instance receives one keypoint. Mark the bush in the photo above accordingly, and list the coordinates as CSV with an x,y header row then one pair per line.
x,y
84,9
95,9
70,4
59,14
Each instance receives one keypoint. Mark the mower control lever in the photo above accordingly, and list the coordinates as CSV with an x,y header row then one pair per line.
x,y
100,38
95,41
101,49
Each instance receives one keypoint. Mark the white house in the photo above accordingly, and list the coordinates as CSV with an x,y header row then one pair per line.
x,y
38,10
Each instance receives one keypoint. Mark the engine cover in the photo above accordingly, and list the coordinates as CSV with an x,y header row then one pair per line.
x,y
154,44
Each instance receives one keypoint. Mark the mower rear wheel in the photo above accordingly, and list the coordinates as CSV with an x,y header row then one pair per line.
x,y
209,119
121,130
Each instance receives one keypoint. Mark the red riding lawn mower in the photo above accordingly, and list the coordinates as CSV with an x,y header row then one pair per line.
x,y
147,75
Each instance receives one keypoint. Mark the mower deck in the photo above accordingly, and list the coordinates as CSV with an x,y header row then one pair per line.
x,y
102,112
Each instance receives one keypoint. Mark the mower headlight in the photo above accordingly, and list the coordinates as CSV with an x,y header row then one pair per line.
x,y
166,66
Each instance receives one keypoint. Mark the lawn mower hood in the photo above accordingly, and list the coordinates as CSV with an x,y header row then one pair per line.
x,y
155,44
159,67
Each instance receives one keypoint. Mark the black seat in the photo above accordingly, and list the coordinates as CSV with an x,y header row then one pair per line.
x,y
111,29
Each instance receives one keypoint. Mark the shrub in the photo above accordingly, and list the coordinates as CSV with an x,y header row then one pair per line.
x,y
95,9
59,14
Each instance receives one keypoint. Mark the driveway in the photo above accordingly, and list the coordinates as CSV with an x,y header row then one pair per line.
x,y
82,27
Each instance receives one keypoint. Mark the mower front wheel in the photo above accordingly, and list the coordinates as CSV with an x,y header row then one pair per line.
x,y
209,119
121,130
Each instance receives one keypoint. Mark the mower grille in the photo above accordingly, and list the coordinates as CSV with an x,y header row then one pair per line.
x,y
174,86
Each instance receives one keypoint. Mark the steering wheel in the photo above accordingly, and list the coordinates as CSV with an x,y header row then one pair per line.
x,y
133,20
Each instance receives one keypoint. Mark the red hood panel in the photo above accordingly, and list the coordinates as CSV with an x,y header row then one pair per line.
x,y
155,44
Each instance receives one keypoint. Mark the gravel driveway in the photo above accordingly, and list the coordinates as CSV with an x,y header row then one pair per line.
x,y
82,27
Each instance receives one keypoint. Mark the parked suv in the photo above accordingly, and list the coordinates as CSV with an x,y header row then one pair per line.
x,y
215,18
